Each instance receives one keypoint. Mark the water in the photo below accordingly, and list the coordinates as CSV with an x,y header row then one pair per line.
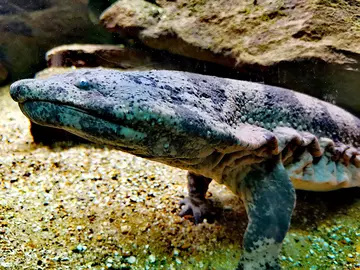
x,y
76,205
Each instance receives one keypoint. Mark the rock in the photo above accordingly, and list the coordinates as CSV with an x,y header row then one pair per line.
x,y
125,229
311,47
96,7
131,17
119,57
238,32
186,245
29,28
110,56
89,55
131,260
152,258
47,72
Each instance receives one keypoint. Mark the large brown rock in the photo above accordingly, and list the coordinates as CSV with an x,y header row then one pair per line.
x,y
96,7
119,57
309,46
29,28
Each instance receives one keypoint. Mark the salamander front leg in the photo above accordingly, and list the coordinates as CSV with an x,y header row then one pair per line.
x,y
269,198
196,204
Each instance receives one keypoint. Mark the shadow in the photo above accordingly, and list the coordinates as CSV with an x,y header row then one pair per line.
x,y
314,207
48,136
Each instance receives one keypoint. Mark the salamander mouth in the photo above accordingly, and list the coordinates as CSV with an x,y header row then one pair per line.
x,y
87,125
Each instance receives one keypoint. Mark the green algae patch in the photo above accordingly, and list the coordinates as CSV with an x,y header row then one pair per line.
x,y
324,234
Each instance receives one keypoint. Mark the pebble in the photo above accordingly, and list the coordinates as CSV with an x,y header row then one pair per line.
x,y
186,245
131,259
330,256
347,239
80,248
125,229
152,258
5,265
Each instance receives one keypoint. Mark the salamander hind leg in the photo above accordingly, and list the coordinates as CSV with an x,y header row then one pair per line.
x,y
196,204
269,198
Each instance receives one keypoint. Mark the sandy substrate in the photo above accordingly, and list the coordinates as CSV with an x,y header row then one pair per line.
x,y
85,207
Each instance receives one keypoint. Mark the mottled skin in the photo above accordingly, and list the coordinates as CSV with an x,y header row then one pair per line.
x,y
260,141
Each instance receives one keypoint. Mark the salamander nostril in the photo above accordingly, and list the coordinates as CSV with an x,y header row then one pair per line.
x,y
19,89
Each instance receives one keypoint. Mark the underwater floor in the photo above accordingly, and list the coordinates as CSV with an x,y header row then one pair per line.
x,y
85,207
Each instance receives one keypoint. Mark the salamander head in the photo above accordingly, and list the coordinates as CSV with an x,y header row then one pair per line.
x,y
133,111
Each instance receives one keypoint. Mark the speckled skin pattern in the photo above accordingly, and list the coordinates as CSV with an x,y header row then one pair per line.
x,y
222,129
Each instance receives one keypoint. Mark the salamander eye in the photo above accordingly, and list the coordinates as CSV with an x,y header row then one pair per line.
x,y
83,83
